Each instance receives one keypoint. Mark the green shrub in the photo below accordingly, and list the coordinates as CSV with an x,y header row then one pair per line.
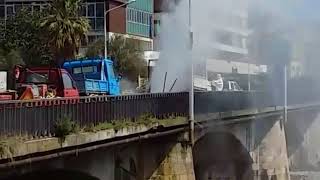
x,y
65,126
90,128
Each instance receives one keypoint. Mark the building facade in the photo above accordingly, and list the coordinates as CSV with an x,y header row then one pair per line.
x,y
219,34
139,23
229,34
227,30
132,21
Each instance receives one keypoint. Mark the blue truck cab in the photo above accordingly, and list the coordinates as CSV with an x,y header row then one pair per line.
x,y
94,76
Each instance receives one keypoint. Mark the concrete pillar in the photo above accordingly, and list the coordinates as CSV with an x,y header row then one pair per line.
x,y
271,161
141,160
178,164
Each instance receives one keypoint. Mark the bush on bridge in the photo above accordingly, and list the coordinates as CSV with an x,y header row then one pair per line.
x,y
65,126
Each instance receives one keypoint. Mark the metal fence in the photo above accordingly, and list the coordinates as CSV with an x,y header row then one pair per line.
x,y
37,117
224,101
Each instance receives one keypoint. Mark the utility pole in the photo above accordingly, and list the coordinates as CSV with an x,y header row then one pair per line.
x,y
249,78
285,94
191,93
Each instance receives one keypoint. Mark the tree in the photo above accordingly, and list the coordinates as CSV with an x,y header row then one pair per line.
x,y
9,58
23,35
126,53
95,49
65,27
128,56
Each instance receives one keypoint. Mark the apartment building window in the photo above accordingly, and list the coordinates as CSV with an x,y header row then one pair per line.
x,y
139,22
91,10
17,7
10,9
2,12
91,15
100,10
91,39
157,25
83,10
95,14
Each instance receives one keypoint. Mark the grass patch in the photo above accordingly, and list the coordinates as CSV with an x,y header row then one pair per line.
x,y
173,121
146,120
65,126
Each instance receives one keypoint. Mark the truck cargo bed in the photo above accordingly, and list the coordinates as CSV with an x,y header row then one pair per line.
x,y
92,86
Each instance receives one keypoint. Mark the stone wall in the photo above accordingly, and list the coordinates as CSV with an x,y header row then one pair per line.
x,y
270,149
261,143
177,165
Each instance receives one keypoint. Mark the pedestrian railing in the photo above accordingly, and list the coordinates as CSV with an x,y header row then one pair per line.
x,y
37,117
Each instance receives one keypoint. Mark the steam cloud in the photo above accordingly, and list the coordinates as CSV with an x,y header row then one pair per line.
x,y
287,20
283,32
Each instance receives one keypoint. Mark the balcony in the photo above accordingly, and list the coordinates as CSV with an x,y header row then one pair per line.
x,y
229,48
236,30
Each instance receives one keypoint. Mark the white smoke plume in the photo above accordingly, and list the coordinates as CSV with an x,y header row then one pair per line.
x,y
176,55
295,21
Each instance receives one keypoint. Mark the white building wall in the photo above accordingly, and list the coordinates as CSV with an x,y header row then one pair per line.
x,y
233,22
223,66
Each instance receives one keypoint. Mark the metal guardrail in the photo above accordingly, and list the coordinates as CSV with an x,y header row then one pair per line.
x,y
37,117
225,101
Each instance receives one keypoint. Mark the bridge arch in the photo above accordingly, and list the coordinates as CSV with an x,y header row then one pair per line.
x,y
221,155
53,174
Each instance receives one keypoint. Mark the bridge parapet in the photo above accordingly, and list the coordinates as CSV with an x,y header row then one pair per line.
x,y
37,117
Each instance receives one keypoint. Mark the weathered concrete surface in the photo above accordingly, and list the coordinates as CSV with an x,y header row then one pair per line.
x,y
262,145
305,175
177,165
164,158
21,148
220,154
303,140
270,150
25,147
254,148
157,159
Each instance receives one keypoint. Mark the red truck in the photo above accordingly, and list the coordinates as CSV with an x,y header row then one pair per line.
x,y
32,83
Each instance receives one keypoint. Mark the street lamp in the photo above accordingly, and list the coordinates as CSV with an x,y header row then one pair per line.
x,y
106,36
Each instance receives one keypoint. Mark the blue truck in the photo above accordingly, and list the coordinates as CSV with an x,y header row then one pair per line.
x,y
94,76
